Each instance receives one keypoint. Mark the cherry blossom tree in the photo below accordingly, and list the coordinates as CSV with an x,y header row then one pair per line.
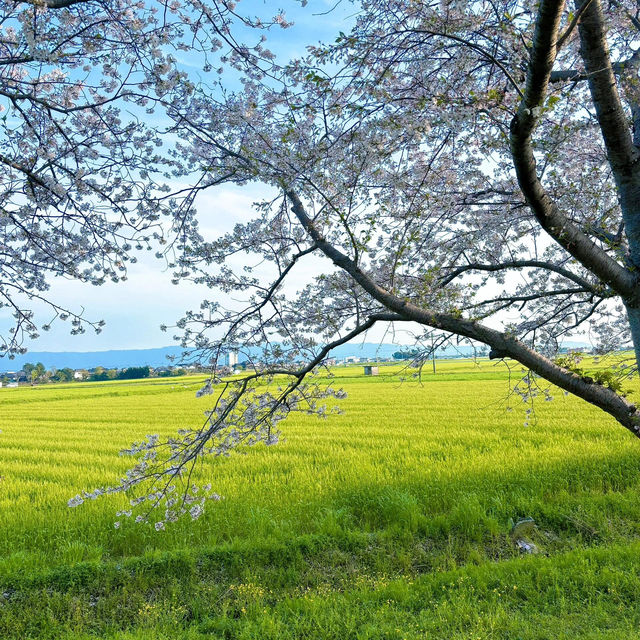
x,y
77,191
83,86
469,166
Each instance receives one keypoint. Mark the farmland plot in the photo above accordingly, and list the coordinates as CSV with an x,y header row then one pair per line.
x,y
390,521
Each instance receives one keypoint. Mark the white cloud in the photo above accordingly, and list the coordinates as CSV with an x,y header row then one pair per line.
x,y
134,309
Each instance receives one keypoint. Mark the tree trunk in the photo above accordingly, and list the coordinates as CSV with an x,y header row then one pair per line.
x,y
633,313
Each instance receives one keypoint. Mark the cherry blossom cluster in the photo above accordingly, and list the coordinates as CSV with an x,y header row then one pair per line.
x,y
243,415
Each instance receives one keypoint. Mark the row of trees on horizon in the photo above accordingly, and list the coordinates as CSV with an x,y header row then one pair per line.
x,y
39,374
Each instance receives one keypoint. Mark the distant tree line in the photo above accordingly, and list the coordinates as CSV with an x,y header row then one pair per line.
x,y
171,373
38,374
131,373
408,354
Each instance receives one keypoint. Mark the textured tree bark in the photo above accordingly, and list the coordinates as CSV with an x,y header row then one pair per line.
x,y
633,314
624,160
562,230
622,152
623,155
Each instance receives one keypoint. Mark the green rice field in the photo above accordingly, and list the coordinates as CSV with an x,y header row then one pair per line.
x,y
390,521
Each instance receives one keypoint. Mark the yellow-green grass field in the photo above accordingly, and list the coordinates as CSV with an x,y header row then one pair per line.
x,y
389,521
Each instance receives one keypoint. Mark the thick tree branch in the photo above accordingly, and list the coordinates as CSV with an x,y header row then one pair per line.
x,y
602,83
623,155
518,264
571,28
56,4
560,228
622,410
576,75
567,75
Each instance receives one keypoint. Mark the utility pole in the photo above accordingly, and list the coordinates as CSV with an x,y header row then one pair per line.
x,y
433,354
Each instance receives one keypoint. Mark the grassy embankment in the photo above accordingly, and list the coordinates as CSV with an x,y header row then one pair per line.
x,y
390,521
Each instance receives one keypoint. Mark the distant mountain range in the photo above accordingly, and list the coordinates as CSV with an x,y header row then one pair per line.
x,y
372,350
159,357
90,359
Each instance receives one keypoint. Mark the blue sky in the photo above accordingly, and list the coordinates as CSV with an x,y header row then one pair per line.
x,y
135,309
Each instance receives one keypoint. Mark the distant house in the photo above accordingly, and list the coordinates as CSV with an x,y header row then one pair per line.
x,y
80,374
16,376
370,371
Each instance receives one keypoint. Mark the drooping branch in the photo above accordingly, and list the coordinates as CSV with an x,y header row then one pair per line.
x,y
245,412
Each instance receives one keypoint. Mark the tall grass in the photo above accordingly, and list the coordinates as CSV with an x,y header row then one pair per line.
x,y
352,527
